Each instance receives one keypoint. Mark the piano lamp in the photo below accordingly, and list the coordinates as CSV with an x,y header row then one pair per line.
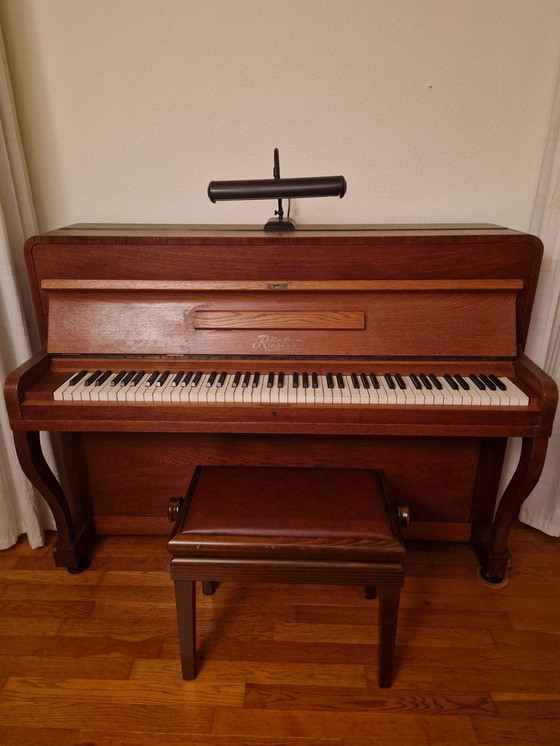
x,y
277,188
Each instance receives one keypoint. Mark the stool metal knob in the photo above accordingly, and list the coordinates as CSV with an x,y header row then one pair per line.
x,y
173,508
403,515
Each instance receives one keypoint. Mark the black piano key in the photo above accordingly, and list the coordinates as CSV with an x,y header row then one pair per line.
x,y
425,381
256,380
330,381
340,381
435,380
153,378
221,379
77,378
280,382
163,378
188,375
196,378
270,380
374,381
487,382
401,383
138,377
91,379
177,378
477,382
295,380
118,378
211,378
451,381
462,383
314,381
355,380
415,382
364,380
128,378
305,380
236,379
246,380
101,380
500,384
389,379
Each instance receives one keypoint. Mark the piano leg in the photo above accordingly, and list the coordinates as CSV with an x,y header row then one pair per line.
x,y
490,540
75,534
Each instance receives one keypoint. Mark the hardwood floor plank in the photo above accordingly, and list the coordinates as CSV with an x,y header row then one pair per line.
x,y
168,738
25,626
23,736
100,666
47,608
71,703
271,651
334,699
167,672
527,704
421,617
416,730
535,621
495,731
483,677
361,634
79,645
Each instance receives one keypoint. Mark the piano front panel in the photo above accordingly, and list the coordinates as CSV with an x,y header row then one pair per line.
x,y
435,476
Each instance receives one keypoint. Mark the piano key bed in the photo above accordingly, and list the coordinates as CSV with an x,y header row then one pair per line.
x,y
280,387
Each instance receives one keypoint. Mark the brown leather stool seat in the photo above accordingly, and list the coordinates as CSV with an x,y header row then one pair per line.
x,y
287,525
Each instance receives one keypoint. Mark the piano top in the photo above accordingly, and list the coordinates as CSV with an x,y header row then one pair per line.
x,y
149,254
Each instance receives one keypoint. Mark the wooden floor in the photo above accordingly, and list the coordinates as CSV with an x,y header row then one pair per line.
x,y
93,658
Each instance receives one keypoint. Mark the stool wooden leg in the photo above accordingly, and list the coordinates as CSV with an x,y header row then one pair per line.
x,y
208,587
389,597
186,618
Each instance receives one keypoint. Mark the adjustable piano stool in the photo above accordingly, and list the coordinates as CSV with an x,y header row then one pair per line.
x,y
288,525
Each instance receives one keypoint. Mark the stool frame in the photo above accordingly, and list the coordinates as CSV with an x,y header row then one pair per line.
x,y
385,575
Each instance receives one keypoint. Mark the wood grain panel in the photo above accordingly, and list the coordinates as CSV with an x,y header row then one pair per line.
x,y
432,323
325,320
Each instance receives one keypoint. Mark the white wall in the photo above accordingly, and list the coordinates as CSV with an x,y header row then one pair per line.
x,y
433,110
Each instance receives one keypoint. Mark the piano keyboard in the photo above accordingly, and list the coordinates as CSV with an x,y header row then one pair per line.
x,y
245,387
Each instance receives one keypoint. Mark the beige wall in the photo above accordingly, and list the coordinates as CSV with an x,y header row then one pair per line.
x,y
434,110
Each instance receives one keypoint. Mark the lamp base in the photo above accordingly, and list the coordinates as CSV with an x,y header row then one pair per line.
x,y
280,224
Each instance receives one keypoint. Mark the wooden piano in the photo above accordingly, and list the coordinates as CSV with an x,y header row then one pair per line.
x,y
398,348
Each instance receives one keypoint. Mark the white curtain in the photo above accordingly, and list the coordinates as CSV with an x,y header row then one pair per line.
x,y
542,508
22,510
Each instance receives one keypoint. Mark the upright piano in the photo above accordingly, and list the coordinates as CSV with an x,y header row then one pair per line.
x,y
392,347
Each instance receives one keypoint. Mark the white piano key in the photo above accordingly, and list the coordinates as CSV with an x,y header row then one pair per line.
x,y
347,390
163,393
454,397
136,393
517,397
66,389
98,393
81,392
260,394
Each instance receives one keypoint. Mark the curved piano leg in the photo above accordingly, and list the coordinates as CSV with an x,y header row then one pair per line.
x,y
75,537
490,542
